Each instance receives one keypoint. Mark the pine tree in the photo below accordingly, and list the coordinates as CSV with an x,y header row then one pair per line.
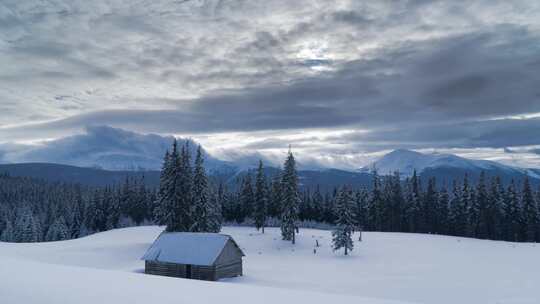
x,y
461,211
396,203
139,196
317,202
443,210
361,209
478,209
385,208
529,218
493,216
201,202
58,231
27,229
430,218
77,217
8,234
290,200
345,221
261,199
96,218
375,204
328,208
274,202
167,182
215,218
511,213
180,216
247,198
113,213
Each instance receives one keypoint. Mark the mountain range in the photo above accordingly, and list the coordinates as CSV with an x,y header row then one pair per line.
x,y
444,167
104,155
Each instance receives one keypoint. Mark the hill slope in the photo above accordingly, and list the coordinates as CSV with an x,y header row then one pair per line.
x,y
72,174
385,267
327,179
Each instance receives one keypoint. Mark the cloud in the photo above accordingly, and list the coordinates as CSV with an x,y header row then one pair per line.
x,y
408,74
463,78
101,146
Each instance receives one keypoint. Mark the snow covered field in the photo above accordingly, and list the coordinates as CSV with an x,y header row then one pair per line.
x,y
384,268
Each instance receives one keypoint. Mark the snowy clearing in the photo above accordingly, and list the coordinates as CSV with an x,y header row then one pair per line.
x,y
384,268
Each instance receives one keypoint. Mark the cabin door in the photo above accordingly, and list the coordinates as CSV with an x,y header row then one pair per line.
x,y
188,271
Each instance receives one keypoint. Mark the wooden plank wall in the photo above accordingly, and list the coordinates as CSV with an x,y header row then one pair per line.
x,y
229,270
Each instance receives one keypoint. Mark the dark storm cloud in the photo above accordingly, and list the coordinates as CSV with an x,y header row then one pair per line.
x,y
437,91
414,74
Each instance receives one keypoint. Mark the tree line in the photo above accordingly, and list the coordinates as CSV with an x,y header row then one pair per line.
x,y
486,209
34,210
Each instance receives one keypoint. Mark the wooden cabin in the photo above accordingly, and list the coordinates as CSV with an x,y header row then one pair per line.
x,y
201,256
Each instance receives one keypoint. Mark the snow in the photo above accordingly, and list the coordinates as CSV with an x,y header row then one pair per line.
x,y
406,161
187,248
385,268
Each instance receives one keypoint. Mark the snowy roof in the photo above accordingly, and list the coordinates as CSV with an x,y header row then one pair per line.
x,y
188,248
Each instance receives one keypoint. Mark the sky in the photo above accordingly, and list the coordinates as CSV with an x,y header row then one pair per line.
x,y
343,82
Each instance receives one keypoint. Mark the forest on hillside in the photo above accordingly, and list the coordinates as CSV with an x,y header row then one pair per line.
x,y
32,210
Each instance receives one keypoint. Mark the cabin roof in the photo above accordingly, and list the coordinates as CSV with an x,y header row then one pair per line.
x,y
188,248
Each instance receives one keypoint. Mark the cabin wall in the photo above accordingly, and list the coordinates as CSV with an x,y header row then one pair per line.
x,y
207,273
229,262
165,269
229,254
231,270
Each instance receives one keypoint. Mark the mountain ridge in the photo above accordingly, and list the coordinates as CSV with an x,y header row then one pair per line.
x,y
446,167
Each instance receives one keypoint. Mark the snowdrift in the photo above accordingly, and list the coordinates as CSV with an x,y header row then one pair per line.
x,y
386,268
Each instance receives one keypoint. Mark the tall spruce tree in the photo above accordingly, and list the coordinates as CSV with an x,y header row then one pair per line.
x,y
529,218
396,203
201,202
464,203
274,202
58,231
442,210
114,211
215,216
182,217
261,199
345,221
478,209
8,234
163,205
361,208
375,204
27,228
290,199
247,198
493,214
511,214
415,204
430,218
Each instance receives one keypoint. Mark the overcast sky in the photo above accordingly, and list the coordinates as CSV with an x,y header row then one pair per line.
x,y
342,81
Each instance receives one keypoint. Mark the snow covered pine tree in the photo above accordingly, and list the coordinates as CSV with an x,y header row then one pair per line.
x,y
290,199
202,207
345,222
261,199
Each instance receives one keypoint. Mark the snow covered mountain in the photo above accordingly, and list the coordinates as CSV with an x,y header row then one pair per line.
x,y
109,148
444,166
